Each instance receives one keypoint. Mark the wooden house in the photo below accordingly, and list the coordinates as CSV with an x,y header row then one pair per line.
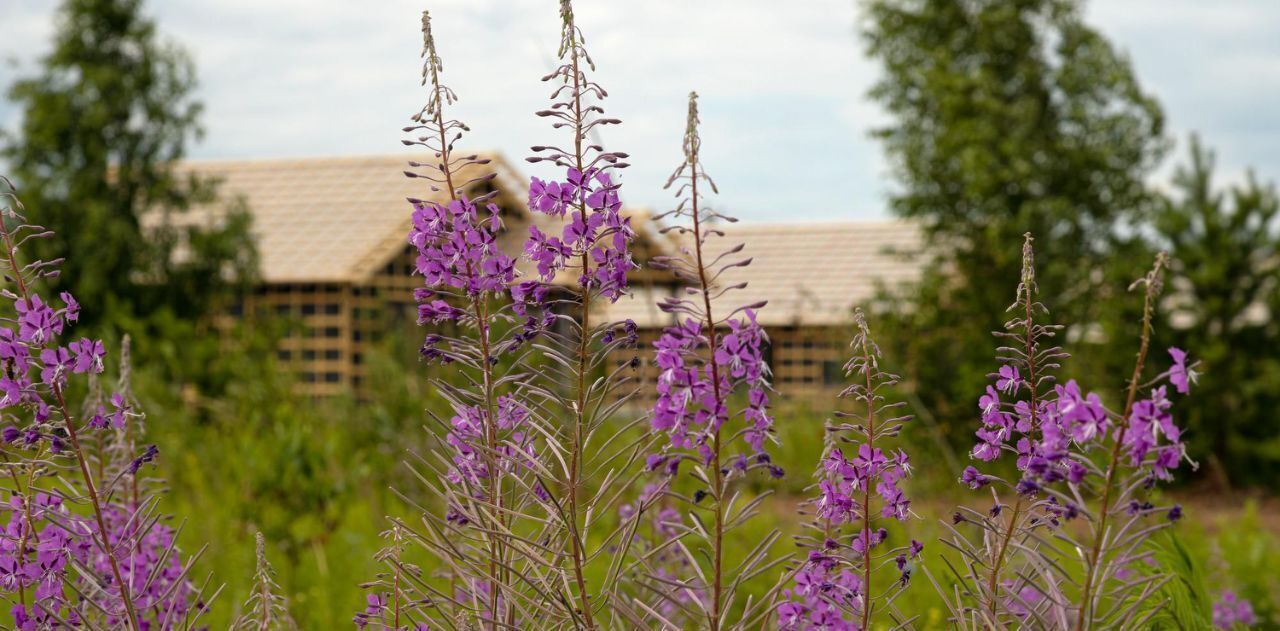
x,y
331,237
813,275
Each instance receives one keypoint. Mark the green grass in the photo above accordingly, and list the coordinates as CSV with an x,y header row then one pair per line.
x,y
315,478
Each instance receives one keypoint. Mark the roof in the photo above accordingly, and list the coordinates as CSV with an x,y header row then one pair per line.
x,y
340,219
330,219
810,273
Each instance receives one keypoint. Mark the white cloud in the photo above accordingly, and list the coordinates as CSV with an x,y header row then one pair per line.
x,y
783,85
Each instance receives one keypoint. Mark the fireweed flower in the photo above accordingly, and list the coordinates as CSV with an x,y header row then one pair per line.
x,y
467,436
1012,413
1230,611
692,393
1179,375
87,561
457,249
712,399
595,241
157,577
1142,448
1075,458
656,527
836,586
581,252
487,472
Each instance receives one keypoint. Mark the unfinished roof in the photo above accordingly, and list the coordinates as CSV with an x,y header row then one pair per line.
x,y
810,273
332,219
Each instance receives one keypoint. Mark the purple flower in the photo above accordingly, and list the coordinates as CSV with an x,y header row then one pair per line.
x,y
120,410
595,230
376,604
458,249
98,420
1231,610
1179,375
974,478
1009,380
437,311
56,365
88,355
37,322
515,451
1028,596
828,592
72,311
149,455
549,197
1152,440
687,407
548,253
915,548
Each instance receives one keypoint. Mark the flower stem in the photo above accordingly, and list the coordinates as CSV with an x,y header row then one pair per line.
x,y
1027,287
993,583
866,491
1148,308
496,551
717,541
69,422
480,311
584,338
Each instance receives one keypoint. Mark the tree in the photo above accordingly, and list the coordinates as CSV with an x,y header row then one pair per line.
x,y
1225,299
1008,117
109,111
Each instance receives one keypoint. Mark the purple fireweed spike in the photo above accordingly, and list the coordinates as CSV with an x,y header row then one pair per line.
x,y
834,586
486,466
579,249
97,530
703,360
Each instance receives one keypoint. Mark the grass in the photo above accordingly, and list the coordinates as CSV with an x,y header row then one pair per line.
x,y
316,479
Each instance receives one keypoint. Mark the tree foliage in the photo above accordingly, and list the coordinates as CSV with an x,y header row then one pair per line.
x,y
1226,266
108,112
1007,118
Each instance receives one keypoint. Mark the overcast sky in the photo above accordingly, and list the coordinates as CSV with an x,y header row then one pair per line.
x,y
783,84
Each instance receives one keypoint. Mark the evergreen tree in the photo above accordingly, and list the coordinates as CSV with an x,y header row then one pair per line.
x,y
1225,309
108,112
1008,117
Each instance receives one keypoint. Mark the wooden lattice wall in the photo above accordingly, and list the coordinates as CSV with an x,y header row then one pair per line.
x,y
317,339
807,362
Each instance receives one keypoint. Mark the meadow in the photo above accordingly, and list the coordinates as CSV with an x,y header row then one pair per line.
x,y
317,478
500,469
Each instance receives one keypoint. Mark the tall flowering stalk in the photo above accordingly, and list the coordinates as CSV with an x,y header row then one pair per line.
x,y
117,565
1145,448
265,609
659,571
158,575
705,359
1011,412
834,587
1075,458
466,292
582,264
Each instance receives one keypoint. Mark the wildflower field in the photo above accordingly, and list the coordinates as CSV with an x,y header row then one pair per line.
x,y
501,471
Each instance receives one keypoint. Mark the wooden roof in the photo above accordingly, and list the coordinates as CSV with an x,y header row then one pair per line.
x,y
811,274
341,219
333,219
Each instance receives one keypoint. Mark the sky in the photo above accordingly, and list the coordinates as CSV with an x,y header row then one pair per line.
x,y
783,85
